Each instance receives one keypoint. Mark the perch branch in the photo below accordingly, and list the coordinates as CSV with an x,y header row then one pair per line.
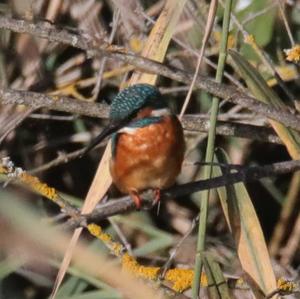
x,y
126,204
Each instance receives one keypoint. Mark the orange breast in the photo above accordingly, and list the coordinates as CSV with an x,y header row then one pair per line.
x,y
149,157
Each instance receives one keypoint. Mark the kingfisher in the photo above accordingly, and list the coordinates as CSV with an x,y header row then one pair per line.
x,y
147,142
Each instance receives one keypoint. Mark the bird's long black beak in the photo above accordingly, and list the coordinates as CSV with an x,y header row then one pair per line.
x,y
108,130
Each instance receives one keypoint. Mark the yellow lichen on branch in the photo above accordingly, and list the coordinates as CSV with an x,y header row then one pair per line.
x,y
231,41
3,170
286,72
181,279
18,175
178,279
130,264
37,186
71,88
249,39
286,286
96,231
293,54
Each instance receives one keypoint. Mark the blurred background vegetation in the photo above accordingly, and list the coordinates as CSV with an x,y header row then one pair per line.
x,y
33,138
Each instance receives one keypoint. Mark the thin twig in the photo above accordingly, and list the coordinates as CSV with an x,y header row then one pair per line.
x,y
14,121
62,158
97,87
285,21
122,237
266,60
208,29
175,249
194,52
259,13
253,132
292,244
52,117
286,215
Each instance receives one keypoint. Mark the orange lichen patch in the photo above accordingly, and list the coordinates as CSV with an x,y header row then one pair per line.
x,y
287,73
115,48
131,265
182,279
117,71
54,97
136,44
286,286
71,89
249,39
19,176
36,185
97,232
240,283
293,54
68,90
3,170
230,42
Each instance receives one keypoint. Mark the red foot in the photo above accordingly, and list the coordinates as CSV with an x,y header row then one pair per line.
x,y
137,199
156,197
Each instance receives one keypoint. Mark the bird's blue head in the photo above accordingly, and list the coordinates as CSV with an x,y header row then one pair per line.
x,y
129,104
130,101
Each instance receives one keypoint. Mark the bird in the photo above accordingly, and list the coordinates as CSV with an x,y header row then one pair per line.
x,y
147,142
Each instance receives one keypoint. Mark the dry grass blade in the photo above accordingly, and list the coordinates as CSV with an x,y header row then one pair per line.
x,y
22,221
159,38
290,249
245,227
286,215
155,48
264,93
208,29
217,285
100,185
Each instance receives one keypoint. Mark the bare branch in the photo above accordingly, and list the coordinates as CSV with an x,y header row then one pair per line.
x,y
94,47
235,129
58,103
73,106
126,204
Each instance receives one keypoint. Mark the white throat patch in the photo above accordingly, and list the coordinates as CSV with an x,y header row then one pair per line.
x,y
127,130
161,112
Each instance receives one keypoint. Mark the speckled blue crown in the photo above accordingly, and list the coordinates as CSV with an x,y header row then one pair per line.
x,y
133,98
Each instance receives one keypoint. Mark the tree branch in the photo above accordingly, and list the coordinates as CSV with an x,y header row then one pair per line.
x,y
95,47
69,105
59,103
126,204
235,129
